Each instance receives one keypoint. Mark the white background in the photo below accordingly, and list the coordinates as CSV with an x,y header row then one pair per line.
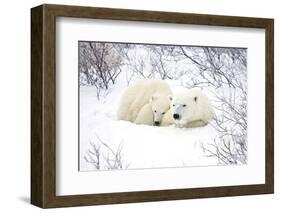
x,y
15,105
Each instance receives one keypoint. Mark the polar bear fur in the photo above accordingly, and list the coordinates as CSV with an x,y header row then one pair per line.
x,y
145,102
189,109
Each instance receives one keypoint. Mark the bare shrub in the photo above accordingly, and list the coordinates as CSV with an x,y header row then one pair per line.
x,y
213,66
104,157
230,121
100,64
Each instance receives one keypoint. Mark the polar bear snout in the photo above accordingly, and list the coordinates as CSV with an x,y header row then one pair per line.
x,y
156,123
176,116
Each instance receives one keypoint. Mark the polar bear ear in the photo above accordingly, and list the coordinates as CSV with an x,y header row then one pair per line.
x,y
170,97
195,98
153,98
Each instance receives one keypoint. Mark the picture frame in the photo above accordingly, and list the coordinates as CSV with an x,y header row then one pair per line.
x,y
44,114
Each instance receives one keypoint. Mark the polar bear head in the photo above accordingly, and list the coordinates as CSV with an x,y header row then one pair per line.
x,y
160,104
183,107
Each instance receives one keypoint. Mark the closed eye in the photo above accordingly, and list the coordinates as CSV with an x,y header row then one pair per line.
x,y
163,113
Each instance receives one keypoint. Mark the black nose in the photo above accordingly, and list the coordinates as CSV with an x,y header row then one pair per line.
x,y
157,123
176,116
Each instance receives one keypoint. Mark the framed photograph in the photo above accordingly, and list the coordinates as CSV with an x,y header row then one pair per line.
x,y
136,106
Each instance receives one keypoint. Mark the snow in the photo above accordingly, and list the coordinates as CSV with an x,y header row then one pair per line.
x,y
140,146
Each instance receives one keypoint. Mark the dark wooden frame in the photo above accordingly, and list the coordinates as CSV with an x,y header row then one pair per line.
x,y
43,105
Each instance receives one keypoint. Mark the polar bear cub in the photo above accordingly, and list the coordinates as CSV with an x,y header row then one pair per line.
x,y
145,102
189,109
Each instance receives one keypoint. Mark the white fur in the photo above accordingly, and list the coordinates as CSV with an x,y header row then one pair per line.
x,y
145,116
145,102
193,107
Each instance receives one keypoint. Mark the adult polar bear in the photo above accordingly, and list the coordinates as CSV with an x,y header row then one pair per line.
x,y
191,108
145,102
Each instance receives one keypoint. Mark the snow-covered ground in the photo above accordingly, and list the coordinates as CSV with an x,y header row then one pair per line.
x,y
107,143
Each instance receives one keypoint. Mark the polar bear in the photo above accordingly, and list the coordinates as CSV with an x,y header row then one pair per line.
x,y
189,109
145,102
